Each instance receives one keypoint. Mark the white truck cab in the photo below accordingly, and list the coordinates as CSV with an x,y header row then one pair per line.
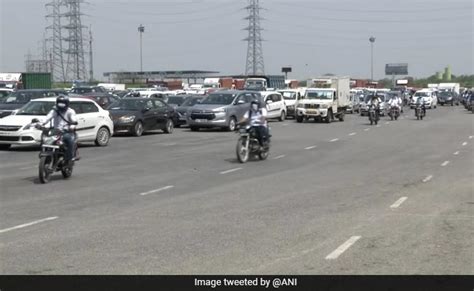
x,y
328,99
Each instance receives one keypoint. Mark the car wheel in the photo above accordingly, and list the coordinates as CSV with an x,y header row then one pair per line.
x,y
103,137
282,116
232,124
299,119
169,126
329,117
138,129
5,147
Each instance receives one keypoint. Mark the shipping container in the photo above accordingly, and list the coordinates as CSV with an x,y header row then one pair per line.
x,y
239,84
36,80
226,83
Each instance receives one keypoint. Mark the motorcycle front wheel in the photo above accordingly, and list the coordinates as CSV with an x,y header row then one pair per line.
x,y
44,169
242,151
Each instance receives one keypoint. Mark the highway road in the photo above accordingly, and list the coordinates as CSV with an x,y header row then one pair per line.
x,y
339,198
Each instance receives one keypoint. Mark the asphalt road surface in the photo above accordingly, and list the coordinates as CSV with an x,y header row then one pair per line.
x,y
340,198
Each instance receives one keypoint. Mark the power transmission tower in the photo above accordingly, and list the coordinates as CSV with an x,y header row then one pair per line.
x,y
255,64
56,41
75,65
91,60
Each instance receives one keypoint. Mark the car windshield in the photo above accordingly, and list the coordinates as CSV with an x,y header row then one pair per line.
x,y
82,90
191,101
20,97
289,95
131,105
422,94
175,100
323,95
444,94
218,99
36,108
4,93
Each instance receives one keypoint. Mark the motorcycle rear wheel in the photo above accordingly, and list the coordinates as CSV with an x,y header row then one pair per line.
x,y
66,171
44,169
242,153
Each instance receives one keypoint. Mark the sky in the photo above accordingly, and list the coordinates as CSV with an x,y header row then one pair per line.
x,y
313,37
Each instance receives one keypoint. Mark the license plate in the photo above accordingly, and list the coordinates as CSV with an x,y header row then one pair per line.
x,y
51,146
311,111
201,120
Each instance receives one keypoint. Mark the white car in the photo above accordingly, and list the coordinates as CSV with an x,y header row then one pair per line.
x,y
276,106
291,97
95,123
429,98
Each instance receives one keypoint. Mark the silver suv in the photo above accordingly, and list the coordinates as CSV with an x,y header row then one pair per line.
x,y
223,109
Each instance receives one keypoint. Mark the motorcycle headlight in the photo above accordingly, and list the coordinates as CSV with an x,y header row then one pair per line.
x,y
127,118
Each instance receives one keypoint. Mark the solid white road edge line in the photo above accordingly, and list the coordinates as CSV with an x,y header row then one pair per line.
x,y
398,202
427,178
310,148
279,157
342,248
334,140
28,224
157,190
445,164
230,171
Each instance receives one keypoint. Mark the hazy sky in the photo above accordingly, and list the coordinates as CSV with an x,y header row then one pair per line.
x,y
312,36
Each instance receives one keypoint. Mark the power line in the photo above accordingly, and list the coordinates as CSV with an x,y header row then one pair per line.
x,y
254,64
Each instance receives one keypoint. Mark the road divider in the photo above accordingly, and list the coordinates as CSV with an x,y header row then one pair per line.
x,y
157,190
230,171
398,202
342,248
28,224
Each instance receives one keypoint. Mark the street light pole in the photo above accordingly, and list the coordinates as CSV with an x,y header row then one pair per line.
x,y
141,30
372,40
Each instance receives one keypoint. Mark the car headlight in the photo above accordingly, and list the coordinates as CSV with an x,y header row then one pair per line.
x,y
222,110
324,106
127,119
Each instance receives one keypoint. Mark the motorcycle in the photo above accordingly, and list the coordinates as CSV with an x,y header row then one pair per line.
x,y
52,155
394,112
420,112
248,144
373,115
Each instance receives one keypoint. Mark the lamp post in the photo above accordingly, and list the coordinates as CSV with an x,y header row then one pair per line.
x,y
141,30
372,40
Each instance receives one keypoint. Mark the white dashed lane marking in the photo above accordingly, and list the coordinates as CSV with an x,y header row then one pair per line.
x,y
367,129
398,202
464,143
445,164
334,140
157,190
456,153
427,178
28,224
279,157
342,248
230,171
310,148
352,134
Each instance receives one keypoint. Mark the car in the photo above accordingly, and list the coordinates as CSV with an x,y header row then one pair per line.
x,y
221,109
83,90
183,109
364,109
446,97
137,115
275,105
104,101
16,99
95,124
5,91
359,99
174,101
429,98
291,97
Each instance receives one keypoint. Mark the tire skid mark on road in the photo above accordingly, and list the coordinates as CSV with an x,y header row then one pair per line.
x,y
28,224
398,202
157,190
342,248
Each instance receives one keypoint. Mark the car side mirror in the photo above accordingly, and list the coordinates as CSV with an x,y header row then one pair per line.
x,y
240,102
35,120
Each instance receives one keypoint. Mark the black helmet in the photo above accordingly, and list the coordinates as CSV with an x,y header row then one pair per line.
x,y
62,102
255,101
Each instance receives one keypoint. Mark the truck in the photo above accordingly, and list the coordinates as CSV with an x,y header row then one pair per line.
x,y
452,87
225,83
264,83
325,99
26,80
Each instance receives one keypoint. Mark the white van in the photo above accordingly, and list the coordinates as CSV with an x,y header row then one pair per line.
x,y
275,103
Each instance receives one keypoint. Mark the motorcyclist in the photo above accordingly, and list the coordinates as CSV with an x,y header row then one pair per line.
x,y
256,117
419,101
396,101
63,118
375,101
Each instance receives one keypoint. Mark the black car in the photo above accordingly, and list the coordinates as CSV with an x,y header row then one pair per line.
x,y
446,97
104,101
84,90
137,115
16,99
189,101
